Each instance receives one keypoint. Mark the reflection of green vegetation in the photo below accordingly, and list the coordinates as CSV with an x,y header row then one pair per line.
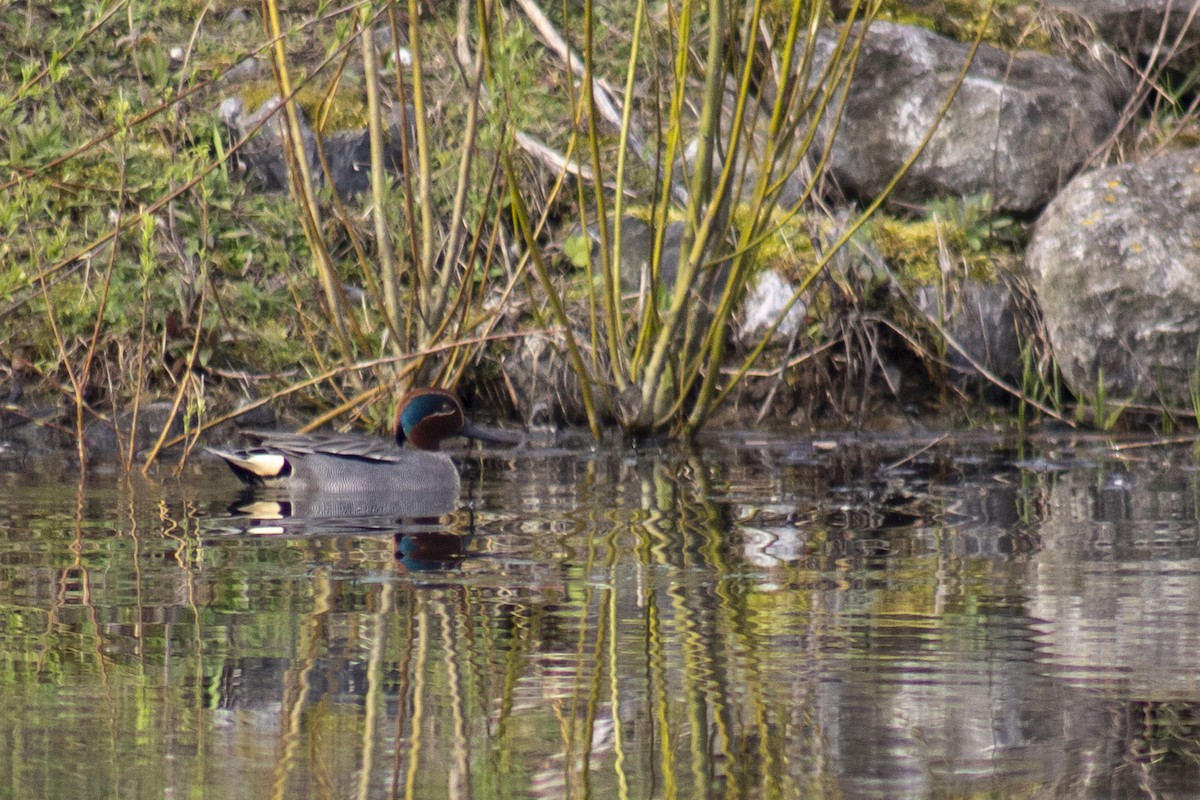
x,y
1166,733
711,621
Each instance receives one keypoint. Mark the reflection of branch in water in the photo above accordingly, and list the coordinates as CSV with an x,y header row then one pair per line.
x,y
404,671
297,685
676,533
418,697
614,684
685,531
521,644
371,699
54,612
459,779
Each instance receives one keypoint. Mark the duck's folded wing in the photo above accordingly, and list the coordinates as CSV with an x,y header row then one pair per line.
x,y
332,444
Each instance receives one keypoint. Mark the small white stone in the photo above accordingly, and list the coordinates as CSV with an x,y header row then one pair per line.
x,y
765,301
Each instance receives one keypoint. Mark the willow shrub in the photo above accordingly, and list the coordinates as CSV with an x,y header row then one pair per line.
x,y
661,364
656,360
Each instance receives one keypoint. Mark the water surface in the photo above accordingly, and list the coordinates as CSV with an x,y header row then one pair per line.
x,y
755,617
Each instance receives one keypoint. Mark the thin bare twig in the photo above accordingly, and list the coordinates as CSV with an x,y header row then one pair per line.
x,y
607,104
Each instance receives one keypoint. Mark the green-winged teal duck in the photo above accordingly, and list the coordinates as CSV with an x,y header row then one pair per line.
x,y
347,463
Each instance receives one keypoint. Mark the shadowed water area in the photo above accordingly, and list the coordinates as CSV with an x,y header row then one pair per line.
x,y
755,617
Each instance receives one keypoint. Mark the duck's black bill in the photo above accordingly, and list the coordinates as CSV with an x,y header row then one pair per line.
x,y
490,435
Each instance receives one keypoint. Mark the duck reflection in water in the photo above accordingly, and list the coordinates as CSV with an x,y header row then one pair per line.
x,y
420,543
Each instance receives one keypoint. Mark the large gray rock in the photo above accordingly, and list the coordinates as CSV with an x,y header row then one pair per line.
x,y
1019,127
1115,261
1164,31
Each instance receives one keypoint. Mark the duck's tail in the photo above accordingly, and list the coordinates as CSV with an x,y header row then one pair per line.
x,y
255,467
